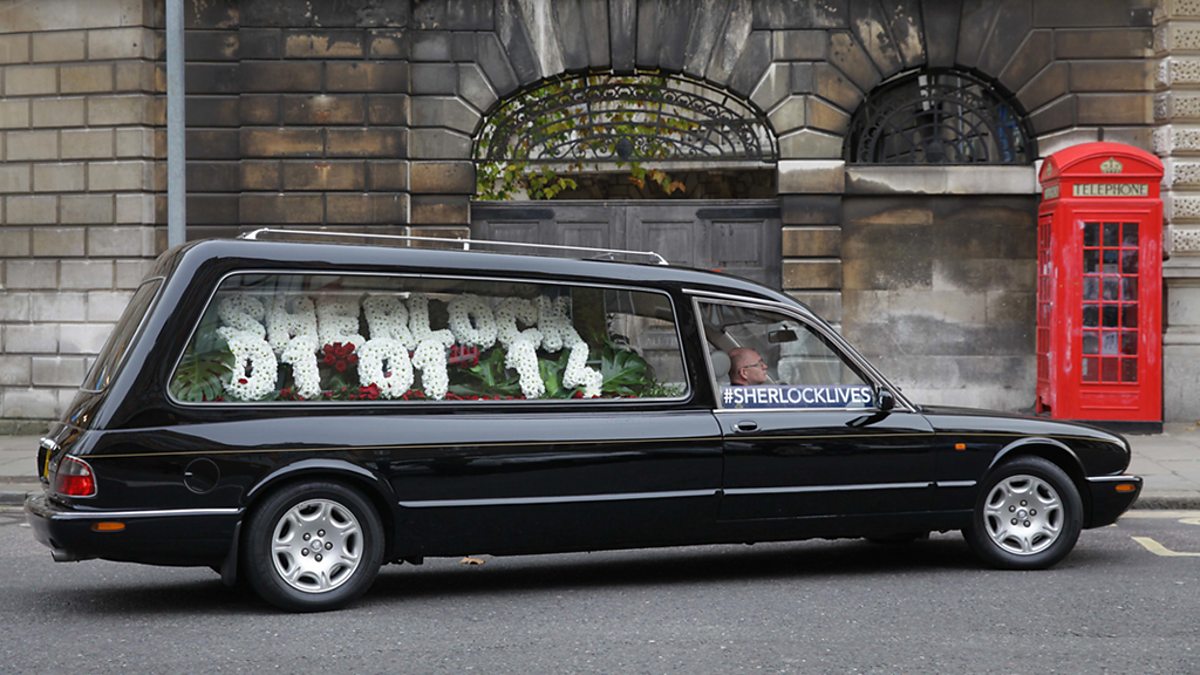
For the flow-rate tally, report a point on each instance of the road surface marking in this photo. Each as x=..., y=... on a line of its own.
x=1158, y=549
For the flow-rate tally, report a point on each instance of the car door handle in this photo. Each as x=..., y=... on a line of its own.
x=746, y=426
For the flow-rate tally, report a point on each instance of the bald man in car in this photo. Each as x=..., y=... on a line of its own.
x=746, y=367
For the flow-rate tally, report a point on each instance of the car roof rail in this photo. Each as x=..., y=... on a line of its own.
x=459, y=244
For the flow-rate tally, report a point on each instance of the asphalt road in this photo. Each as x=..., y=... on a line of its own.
x=1116, y=604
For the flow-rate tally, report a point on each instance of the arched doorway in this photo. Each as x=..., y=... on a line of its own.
x=643, y=161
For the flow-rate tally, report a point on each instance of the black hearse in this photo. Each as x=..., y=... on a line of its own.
x=297, y=414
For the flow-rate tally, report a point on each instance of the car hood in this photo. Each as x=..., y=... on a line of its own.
x=951, y=418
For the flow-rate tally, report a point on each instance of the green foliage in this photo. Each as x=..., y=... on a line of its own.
x=202, y=375
x=489, y=377
x=625, y=372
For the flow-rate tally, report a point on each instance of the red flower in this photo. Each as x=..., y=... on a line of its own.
x=242, y=380
x=340, y=366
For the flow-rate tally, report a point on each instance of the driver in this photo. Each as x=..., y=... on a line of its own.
x=746, y=367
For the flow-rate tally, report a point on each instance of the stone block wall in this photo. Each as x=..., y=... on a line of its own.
x=80, y=139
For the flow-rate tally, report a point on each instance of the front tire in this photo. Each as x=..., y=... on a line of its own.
x=313, y=547
x=1028, y=516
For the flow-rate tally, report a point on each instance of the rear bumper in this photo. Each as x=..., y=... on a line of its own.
x=162, y=537
x=1107, y=503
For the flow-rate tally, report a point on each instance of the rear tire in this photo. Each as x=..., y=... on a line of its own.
x=1028, y=515
x=313, y=546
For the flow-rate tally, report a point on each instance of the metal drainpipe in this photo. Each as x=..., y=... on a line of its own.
x=176, y=151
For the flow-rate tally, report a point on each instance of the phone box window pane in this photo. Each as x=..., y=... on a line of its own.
x=1091, y=234
x=1091, y=369
x=1129, y=234
x=1091, y=315
x=1108, y=370
x=1129, y=342
x=1129, y=316
x=1091, y=342
x=1091, y=288
x=1108, y=342
x=1129, y=370
x=1091, y=262
x=1111, y=234
x=1110, y=316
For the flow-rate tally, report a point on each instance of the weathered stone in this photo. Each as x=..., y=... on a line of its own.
x=282, y=76
x=281, y=208
x=812, y=274
x=387, y=175
x=30, y=210
x=831, y=84
x=213, y=78
x=429, y=111
x=851, y=59
x=30, y=403
x=281, y=142
x=940, y=180
x=649, y=20
x=130, y=273
x=677, y=17
x=383, y=76
x=442, y=177
x=343, y=14
x=366, y=142
x=781, y=14
x=440, y=209
x=799, y=45
x=121, y=43
x=388, y=109
x=35, y=80
x=324, y=109
x=1085, y=13
x=810, y=144
x=822, y=115
x=15, y=306
x=473, y=86
x=323, y=44
x=14, y=113
x=324, y=175
x=212, y=144
x=31, y=338
x=622, y=31
x=366, y=208
x=1112, y=76
x=1115, y=108
x=212, y=177
x=438, y=144
x=88, y=210
x=732, y=40
x=212, y=111
x=33, y=145
x=431, y=46
x=788, y=116
x=812, y=242
x=258, y=108
x=1013, y=22
x=518, y=45
x=59, y=177
x=260, y=175
x=940, y=33
x=753, y=62
x=87, y=143
x=870, y=26
x=568, y=21
x=973, y=30
x=773, y=87
x=212, y=45
x=1030, y=58
x=14, y=48
x=137, y=208
x=212, y=209
x=387, y=44
x=85, y=338
x=14, y=242
x=64, y=46
x=118, y=110
x=1057, y=115
x=495, y=64
x=15, y=177
x=811, y=176
x=31, y=274
x=106, y=305
x=453, y=15
x=434, y=78
x=1112, y=43
x=260, y=43
x=1046, y=86
x=15, y=370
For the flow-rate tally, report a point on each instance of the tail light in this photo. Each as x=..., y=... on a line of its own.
x=74, y=478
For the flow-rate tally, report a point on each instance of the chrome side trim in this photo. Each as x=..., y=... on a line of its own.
x=566, y=499
x=826, y=488
x=159, y=513
x=1113, y=479
x=955, y=483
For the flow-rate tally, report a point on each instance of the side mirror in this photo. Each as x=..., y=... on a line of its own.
x=885, y=400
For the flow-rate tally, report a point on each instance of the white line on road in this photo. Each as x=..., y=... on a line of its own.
x=1158, y=549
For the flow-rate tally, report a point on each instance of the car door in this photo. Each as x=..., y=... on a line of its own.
x=806, y=437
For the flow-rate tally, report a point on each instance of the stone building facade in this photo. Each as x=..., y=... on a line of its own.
x=365, y=114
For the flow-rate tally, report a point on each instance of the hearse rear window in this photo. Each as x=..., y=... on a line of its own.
x=310, y=338
x=109, y=360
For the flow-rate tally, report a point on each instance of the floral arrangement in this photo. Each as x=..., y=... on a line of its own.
x=492, y=349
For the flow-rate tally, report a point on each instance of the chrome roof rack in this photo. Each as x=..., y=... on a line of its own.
x=512, y=247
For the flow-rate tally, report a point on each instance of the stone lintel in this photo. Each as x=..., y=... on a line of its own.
x=815, y=176
x=941, y=180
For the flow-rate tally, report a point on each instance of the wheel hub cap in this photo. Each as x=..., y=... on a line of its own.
x=317, y=546
x=1023, y=515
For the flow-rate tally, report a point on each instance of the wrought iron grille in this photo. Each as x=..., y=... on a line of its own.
x=938, y=117
x=617, y=118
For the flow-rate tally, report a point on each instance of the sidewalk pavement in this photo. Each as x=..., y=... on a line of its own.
x=1170, y=463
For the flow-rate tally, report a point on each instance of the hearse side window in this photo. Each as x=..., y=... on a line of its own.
x=766, y=359
x=309, y=338
x=109, y=360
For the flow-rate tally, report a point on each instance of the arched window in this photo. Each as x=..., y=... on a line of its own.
x=938, y=117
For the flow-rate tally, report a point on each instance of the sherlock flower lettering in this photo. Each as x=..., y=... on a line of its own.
x=346, y=345
x=785, y=396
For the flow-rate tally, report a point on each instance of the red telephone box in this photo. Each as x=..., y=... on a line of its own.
x=1099, y=285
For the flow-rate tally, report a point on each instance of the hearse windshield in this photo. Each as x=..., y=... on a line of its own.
x=109, y=360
